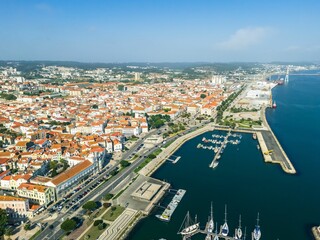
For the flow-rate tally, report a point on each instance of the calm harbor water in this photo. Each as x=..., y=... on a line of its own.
x=289, y=205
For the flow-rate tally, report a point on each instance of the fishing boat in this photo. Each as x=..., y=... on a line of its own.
x=238, y=231
x=188, y=227
x=225, y=227
x=257, y=232
x=274, y=105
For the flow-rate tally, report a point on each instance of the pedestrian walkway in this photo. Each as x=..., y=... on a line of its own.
x=118, y=227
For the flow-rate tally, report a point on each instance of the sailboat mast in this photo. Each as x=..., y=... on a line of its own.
x=225, y=213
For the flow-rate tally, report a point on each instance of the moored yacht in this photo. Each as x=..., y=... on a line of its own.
x=257, y=232
x=238, y=232
x=210, y=223
x=225, y=227
x=188, y=227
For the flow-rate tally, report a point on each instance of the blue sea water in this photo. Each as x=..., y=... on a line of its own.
x=289, y=205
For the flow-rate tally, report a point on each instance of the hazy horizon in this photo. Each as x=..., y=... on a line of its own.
x=160, y=31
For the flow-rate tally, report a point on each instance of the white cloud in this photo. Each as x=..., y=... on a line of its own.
x=245, y=37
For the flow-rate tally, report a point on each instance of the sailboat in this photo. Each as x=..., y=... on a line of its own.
x=225, y=227
x=216, y=236
x=238, y=231
x=257, y=232
x=274, y=105
x=210, y=223
x=187, y=226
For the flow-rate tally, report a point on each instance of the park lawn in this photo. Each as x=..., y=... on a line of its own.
x=168, y=144
x=94, y=232
x=244, y=125
x=142, y=165
x=112, y=215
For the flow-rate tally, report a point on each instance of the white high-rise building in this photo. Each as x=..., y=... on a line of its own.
x=218, y=79
x=137, y=76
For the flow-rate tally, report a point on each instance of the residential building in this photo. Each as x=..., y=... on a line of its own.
x=70, y=177
x=17, y=208
x=39, y=194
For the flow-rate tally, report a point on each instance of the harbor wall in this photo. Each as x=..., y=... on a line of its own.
x=290, y=169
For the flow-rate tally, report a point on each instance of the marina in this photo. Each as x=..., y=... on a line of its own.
x=220, y=143
x=167, y=213
x=189, y=228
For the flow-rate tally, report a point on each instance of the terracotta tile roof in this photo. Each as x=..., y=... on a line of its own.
x=5, y=154
x=32, y=187
x=71, y=172
x=34, y=207
x=11, y=198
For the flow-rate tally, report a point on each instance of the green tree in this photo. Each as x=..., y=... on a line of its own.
x=114, y=172
x=90, y=205
x=27, y=227
x=65, y=164
x=97, y=222
x=3, y=221
x=124, y=163
x=203, y=95
x=68, y=225
x=108, y=196
x=120, y=87
x=152, y=156
x=101, y=226
x=95, y=106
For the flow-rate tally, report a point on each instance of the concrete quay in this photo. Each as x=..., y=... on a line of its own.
x=272, y=143
x=316, y=232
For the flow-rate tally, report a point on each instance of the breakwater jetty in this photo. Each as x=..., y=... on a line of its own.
x=271, y=142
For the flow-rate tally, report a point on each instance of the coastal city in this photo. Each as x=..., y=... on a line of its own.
x=159, y=120
x=78, y=147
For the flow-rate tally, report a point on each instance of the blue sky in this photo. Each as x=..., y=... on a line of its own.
x=160, y=30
